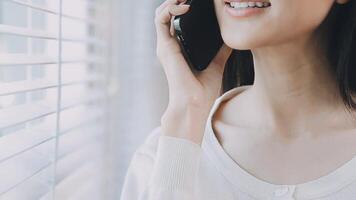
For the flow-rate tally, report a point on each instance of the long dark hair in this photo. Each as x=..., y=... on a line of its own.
x=339, y=29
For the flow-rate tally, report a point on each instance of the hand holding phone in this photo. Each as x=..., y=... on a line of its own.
x=191, y=95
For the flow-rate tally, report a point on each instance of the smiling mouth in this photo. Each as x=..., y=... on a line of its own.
x=247, y=4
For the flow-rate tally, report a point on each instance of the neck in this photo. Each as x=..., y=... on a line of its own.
x=293, y=82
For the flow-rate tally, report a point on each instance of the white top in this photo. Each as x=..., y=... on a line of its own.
x=170, y=168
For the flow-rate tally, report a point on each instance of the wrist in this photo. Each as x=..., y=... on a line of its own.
x=188, y=126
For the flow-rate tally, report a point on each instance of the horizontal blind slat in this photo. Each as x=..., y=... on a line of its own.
x=13, y=59
x=83, y=79
x=32, y=188
x=25, y=86
x=34, y=6
x=24, y=179
x=24, y=140
x=90, y=189
x=70, y=103
x=55, y=11
x=94, y=116
x=75, y=140
x=33, y=33
x=34, y=85
x=71, y=184
x=73, y=162
x=26, y=32
x=30, y=111
x=23, y=167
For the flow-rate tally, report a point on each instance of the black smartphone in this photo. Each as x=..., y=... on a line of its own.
x=198, y=33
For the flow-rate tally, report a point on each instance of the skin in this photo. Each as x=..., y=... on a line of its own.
x=293, y=109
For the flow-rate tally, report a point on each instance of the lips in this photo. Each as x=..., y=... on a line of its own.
x=228, y=1
x=247, y=3
x=246, y=8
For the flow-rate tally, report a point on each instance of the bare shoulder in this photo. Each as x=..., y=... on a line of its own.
x=232, y=116
x=235, y=111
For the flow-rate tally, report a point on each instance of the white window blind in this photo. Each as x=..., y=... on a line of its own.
x=54, y=70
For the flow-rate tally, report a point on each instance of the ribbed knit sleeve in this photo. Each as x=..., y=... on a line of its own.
x=163, y=168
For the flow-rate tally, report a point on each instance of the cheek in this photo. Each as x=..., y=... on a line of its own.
x=285, y=21
x=301, y=20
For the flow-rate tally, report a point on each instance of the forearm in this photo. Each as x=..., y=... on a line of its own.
x=186, y=123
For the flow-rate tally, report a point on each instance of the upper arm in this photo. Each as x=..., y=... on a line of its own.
x=163, y=167
x=140, y=168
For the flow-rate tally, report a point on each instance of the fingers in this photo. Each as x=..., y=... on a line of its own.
x=164, y=5
x=167, y=2
x=172, y=29
x=163, y=19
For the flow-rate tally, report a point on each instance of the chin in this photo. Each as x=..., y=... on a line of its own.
x=243, y=42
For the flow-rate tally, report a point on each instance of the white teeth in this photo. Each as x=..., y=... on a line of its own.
x=259, y=4
x=244, y=4
x=239, y=4
x=249, y=4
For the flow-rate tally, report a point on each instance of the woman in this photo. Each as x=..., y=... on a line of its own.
x=284, y=126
